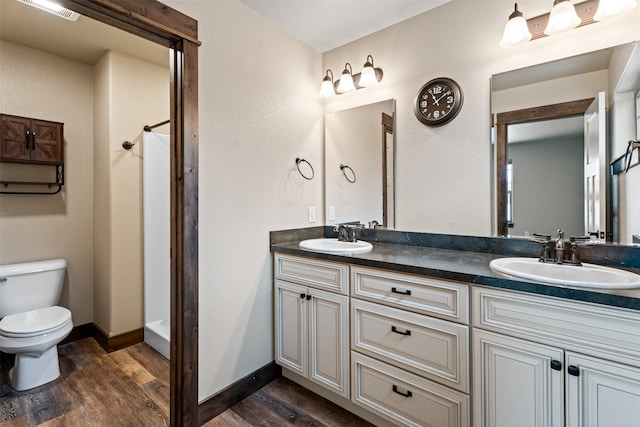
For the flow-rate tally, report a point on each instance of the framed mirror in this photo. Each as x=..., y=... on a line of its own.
x=359, y=165
x=548, y=136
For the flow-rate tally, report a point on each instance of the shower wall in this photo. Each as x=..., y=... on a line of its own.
x=157, y=247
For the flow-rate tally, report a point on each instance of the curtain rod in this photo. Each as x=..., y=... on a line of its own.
x=148, y=128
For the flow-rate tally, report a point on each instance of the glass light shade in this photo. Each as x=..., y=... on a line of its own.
x=346, y=81
x=326, y=89
x=612, y=8
x=563, y=17
x=515, y=32
x=367, y=77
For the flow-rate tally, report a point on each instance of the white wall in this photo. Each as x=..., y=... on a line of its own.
x=259, y=110
x=40, y=85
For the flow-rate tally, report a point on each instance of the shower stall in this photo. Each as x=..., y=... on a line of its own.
x=157, y=247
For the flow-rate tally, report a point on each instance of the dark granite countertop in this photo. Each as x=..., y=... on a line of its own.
x=465, y=266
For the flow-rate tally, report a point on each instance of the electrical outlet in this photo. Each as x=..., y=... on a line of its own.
x=332, y=213
x=312, y=214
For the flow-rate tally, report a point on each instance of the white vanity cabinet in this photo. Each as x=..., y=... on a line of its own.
x=312, y=320
x=543, y=361
x=410, y=347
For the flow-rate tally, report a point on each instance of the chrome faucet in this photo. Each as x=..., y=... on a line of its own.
x=558, y=256
x=343, y=233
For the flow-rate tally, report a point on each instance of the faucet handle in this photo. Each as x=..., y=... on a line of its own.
x=544, y=240
x=540, y=238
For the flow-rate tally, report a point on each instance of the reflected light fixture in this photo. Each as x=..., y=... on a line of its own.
x=53, y=8
x=516, y=31
x=350, y=82
x=611, y=8
x=564, y=16
x=346, y=80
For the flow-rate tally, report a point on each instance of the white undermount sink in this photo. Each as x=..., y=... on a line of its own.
x=586, y=275
x=336, y=246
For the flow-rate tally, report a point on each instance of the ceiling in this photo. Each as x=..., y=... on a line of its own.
x=84, y=40
x=327, y=24
x=316, y=23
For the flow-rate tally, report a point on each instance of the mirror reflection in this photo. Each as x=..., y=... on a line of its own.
x=557, y=128
x=359, y=165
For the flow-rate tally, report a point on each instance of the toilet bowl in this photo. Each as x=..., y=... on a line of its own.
x=33, y=337
x=31, y=326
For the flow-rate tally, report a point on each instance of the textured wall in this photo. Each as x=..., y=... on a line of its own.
x=259, y=110
x=40, y=85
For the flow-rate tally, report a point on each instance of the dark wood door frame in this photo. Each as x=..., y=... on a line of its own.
x=527, y=115
x=155, y=21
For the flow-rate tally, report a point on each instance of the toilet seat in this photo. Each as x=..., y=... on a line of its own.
x=35, y=322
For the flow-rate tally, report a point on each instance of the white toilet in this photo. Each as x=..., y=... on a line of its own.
x=31, y=324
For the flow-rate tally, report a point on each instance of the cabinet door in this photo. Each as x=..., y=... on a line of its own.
x=15, y=136
x=329, y=340
x=601, y=393
x=47, y=142
x=515, y=384
x=291, y=326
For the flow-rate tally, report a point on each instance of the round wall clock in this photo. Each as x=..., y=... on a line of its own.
x=438, y=102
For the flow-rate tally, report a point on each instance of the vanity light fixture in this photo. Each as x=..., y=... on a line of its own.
x=368, y=74
x=564, y=16
x=346, y=80
x=350, y=82
x=516, y=31
x=53, y=8
x=327, y=88
x=611, y=8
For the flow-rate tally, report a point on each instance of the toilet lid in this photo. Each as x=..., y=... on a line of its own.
x=35, y=322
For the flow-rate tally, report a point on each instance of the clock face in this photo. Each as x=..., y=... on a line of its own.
x=438, y=102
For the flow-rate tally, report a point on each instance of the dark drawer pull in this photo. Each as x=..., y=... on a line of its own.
x=302, y=296
x=27, y=138
x=556, y=365
x=407, y=394
x=406, y=332
x=396, y=291
x=573, y=370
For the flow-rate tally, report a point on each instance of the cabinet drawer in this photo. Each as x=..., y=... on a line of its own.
x=607, y=332
x=442, y=298
x=405, y=398
x=433, y=348
x=312, y=272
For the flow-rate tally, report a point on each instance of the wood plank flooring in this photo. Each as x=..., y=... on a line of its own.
x=130, y=387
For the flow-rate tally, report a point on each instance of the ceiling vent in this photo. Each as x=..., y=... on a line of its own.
x=51, y=7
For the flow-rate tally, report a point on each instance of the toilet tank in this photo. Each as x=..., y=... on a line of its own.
x=30, y=285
